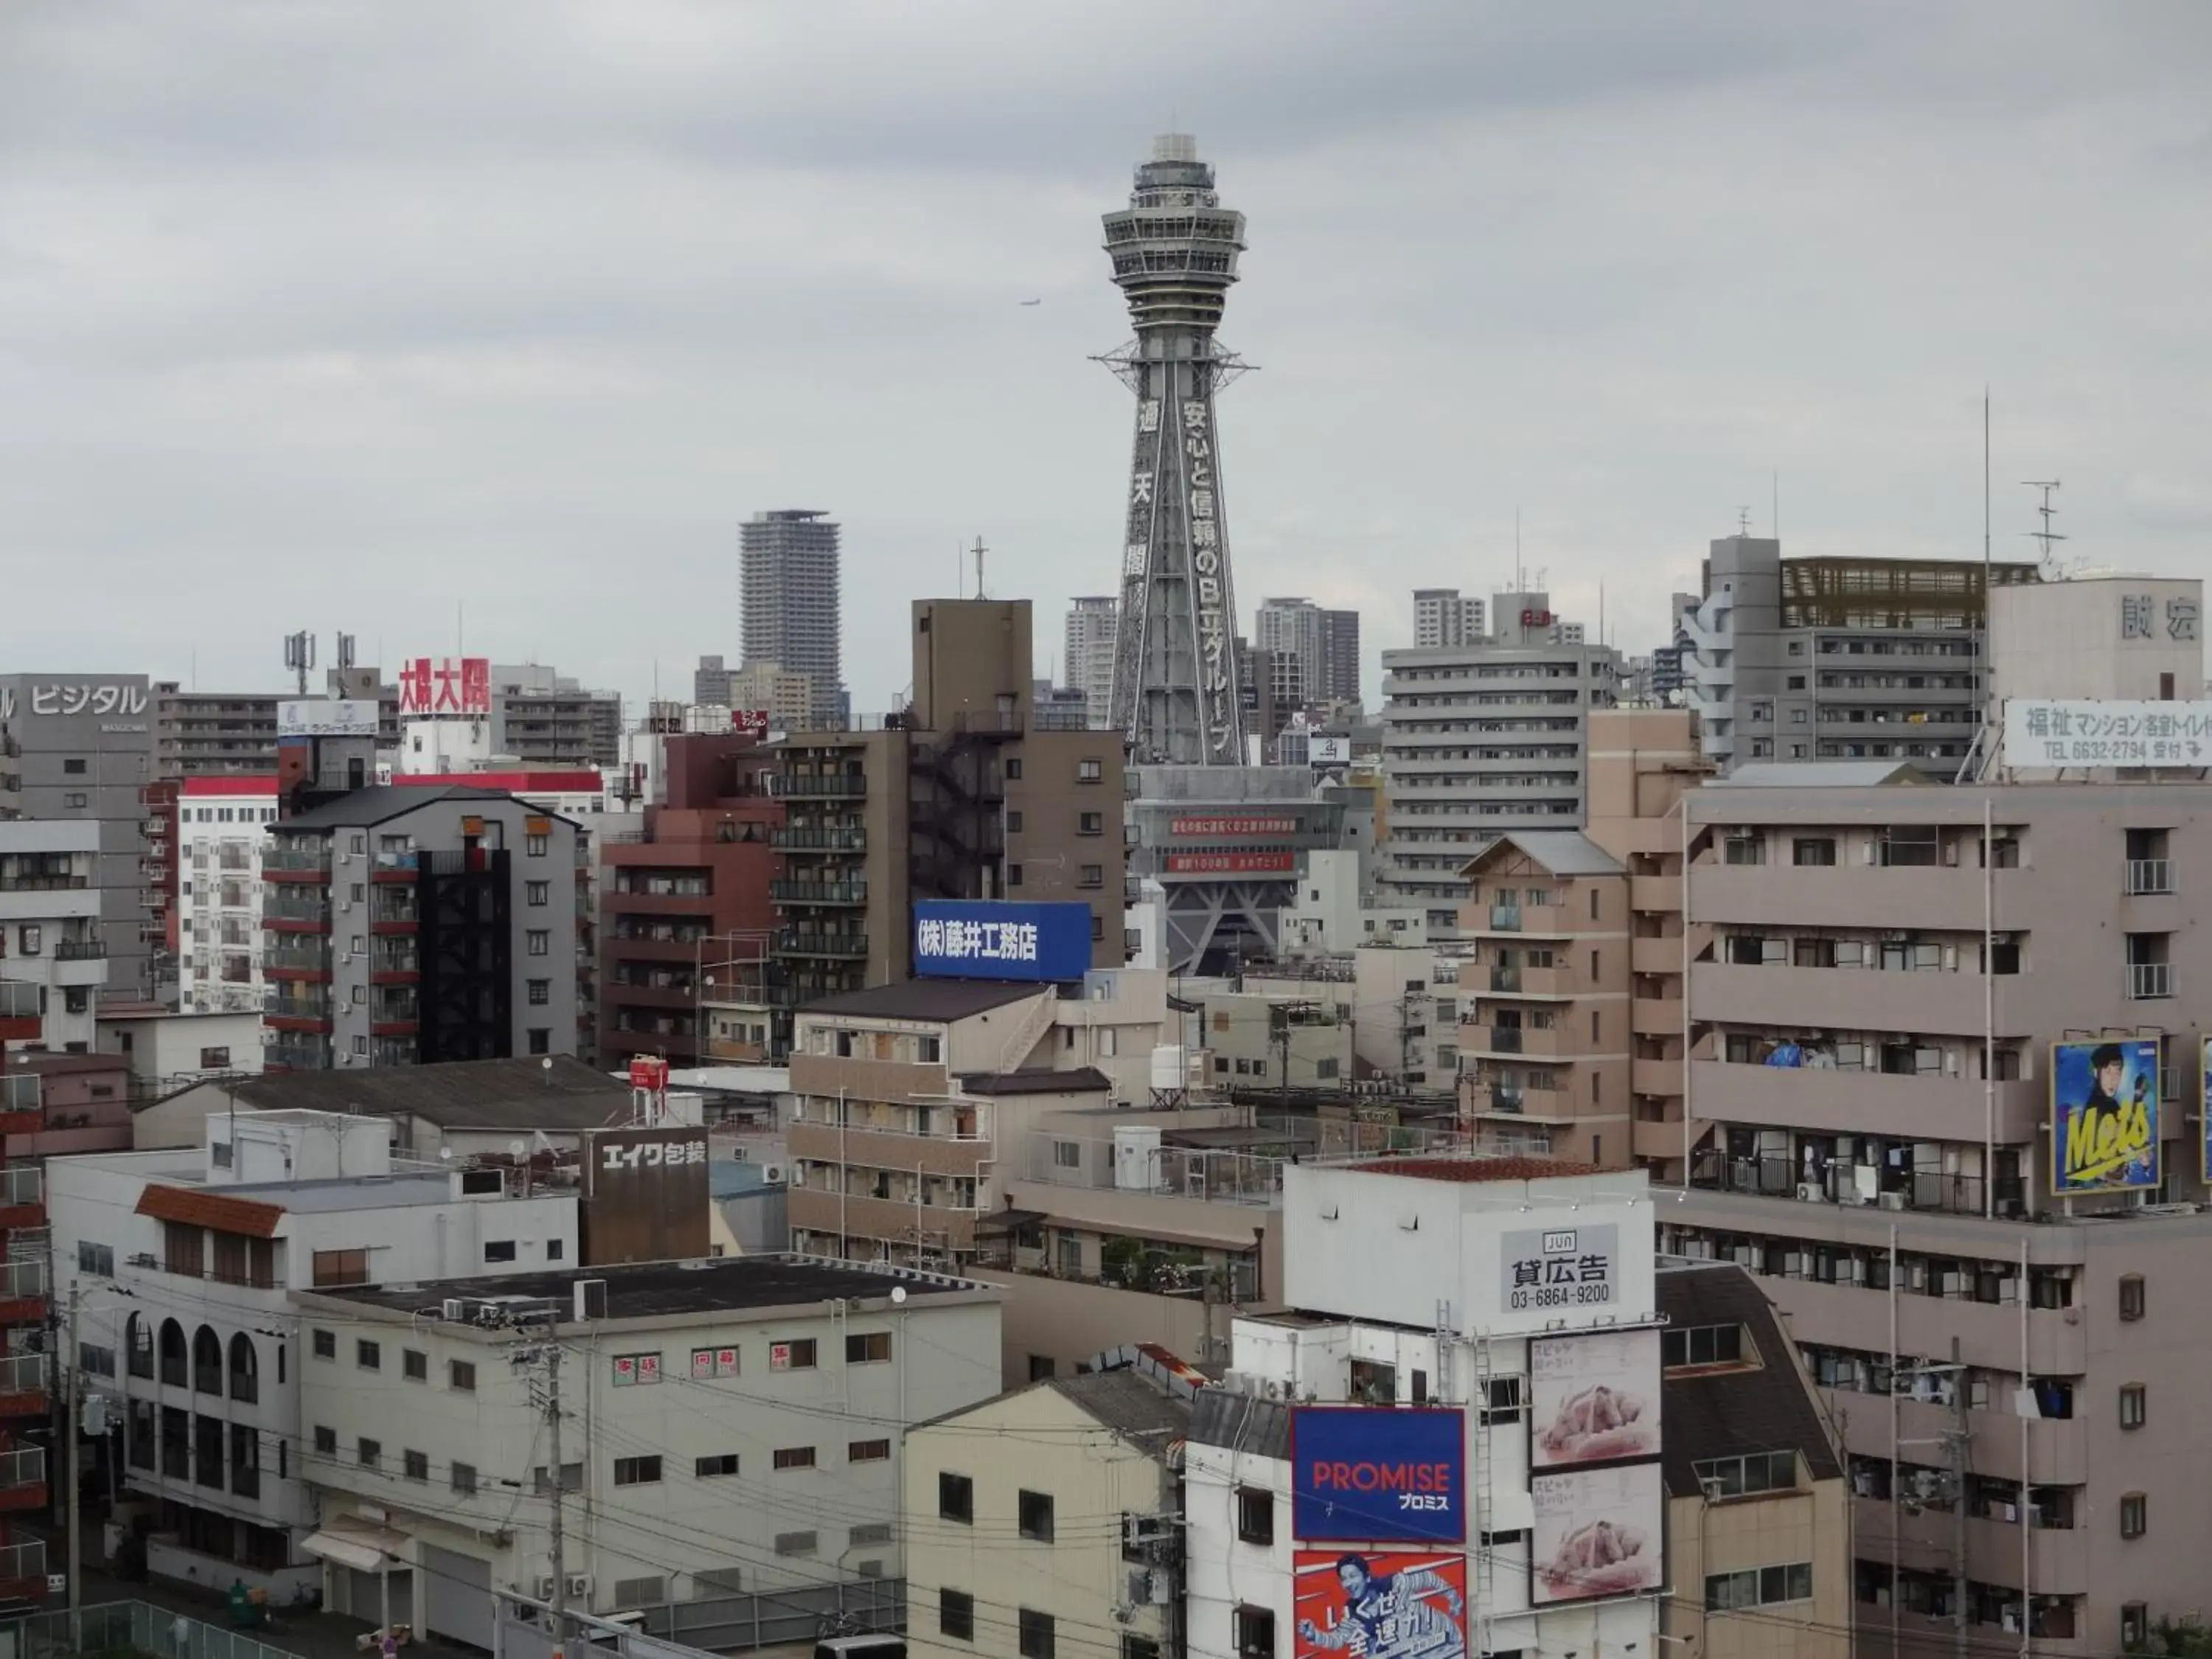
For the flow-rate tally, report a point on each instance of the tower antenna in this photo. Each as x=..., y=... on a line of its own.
x=979, y=551
x=2045, y=536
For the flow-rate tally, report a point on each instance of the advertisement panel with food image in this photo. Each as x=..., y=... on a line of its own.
x=1598, y=1532
x=1380, y=1604
x=1593, y=1398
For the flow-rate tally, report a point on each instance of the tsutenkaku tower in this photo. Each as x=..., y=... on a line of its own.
x=1175, y=251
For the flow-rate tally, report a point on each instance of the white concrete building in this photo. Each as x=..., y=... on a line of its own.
x=50, y=938
x=1093, y=624
x=1442, y=618
x=1408, y=1004
x=736, y=1426
x=222, y=832
x=167, y=1049
x=184, y=1259
x=1500, y=1290
x=1332, y=911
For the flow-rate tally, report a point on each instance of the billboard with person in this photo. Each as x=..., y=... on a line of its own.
x=1379, y=1604
x=2103, y=1115
x=1598, y=1532
x=1593, y=1398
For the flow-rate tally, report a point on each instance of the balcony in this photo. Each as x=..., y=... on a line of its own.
x=23, y=1385
x=310, y=959
x=1505, y=918
x=22, y=1293
x=818, y=892
x=1904, y=1106
x=79, y=949
x=818, y=840
x=22, y=1011
x=1530, y=981
x=802, y=785
x=296, y=863
x=1944, y=898
x=2148, y=876
x=393, y=1015
x=288, y=1013
x=296, y=912
x=20, y=1112
x=394, y=907
x=1854, y=1317
x=394, y=967
x=298, y=1055
x=888, y=1149
x=22, y=1196
x=790, y=942
x=2149, y=982
x=1928, y=1002
x=23, y=1477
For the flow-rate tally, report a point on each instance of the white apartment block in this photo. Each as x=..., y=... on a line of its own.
x=1442, y=618
x=222, y=829
x=52, y=959
x=1094, y=623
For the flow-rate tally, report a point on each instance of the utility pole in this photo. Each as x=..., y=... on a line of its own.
x=559, y=1486
x=1959, y=1500
x=69, y=1407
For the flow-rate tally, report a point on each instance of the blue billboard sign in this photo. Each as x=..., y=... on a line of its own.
x=1366, y=1474
x=988, y=939
x=2105, y=1115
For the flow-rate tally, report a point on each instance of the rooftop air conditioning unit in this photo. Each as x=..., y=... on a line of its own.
x=580, y=1584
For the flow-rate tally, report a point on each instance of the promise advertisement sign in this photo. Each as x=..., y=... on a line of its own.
x=2103, y=1115
x=1371, y=1474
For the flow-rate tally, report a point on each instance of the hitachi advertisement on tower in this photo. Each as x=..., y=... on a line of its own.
x=2103, y=1115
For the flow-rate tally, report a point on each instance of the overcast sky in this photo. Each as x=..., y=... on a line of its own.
x=323, y=314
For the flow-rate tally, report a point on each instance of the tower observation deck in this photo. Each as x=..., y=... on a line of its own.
x=1175, y=250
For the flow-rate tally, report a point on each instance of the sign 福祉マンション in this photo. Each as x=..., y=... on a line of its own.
x=2041, y=733
x=987, y=939
x=1371, y=1474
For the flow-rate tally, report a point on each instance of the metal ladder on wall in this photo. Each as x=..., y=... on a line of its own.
x=1481, y=1591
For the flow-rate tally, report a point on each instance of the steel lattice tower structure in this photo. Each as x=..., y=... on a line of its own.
x=1175, y=251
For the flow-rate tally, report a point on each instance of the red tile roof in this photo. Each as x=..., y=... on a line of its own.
x=1478, y=1168
x=196, y=1208
x=246, y=783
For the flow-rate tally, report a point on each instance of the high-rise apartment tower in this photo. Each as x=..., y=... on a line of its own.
x=790, y=589
x=1091, y=623
x=1175, y=250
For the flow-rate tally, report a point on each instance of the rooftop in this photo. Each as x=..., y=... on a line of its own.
x=1562, y=852
x=1478, y=1168
x=466, y=1094
x=1081, y=1079
x=926, y=998
x=1724, y=1412
x=1224, y=1417
x=381, y=802
x=664, y=1289
x=1812, y=774
x=52, y=1065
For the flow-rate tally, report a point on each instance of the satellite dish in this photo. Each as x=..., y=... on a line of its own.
x=445, y=1154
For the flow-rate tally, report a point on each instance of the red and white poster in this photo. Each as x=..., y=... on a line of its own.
x=445, y=685
x=1227, y=828
x=1231, y=864
x=753, y=722
x=1380, y=1604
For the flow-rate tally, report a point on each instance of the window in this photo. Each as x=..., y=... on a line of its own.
x=368, y=1453
x=868, y=1451
x=499, y=1250
x=1759, y=1587
x=415, y=1364
x=540, y=942
x=1094, y=875
x=956, y=1498
x=645, y=1471
x=794, y=1457
x=370, y=1356
x=710, y=1469
x=75, y=797
x=1090, y=823
x=1042, y=1366
x=2131, y=1296
x=2134, y=1406
x=956, y=1614
x=2134, y=1515
x=1036, y=1634
x=93, y=1258
x=1139, y=1647
x=797, y=1543
x=464, y=1480
x=533, y=846
x=326, y=1441
x=867, y=1349
x=537, y=892
x=1034, y=1512
x=1013, y=875
x=541, y=991
x=572, y=1479
x=1014, y=769
x=95, y=1359
x=73, y=768
x=541, y=1039
x=1813, y=850
x=1090, y=771
x=334, y=1267
x=1255, y=1632
x=1255, y=1516
x=645, y=1592
x=872, y=1532
x=1742, y=1477
x=2135, y=1625
x=1703, y=1344
x=791, y=1356
x=215, y=1060
x=461, y=1374
x=414, y=1465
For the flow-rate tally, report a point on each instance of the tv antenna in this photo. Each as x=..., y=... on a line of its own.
x=1743, y=521
x=979, y=549
x=299, y=656
x=2046, y=536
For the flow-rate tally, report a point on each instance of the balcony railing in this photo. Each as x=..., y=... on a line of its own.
x=280, y=1007
x=299, y=1056
x=395, y=904
x=18, y=1093
x=278, y=905
x=2148, y=981
x=798, y=785
x=23, y=1373
x=1504, y=979
x=1930, y=1192
x=24, y=1467
x=395, y=962
x=1506, y=1039
x=387, y=1009
x=1216, y=1177
x=2150, y=876
x=21, y=1184
x=1505, y=918
x=45, y=883
x=792, y=942
x=1507, y=1097
x=819, y=892
x=818, y=840
x=312, y=956
x=79, y=949
x=19, y=999
x=305, y=860
x=22, y=1279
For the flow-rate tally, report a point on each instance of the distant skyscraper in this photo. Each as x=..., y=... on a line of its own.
x=1091, y=623
x=1175, y=250
x=1441, y=618
x=1340, y=657
x=1292, y=627
x=710, y=682
x=790, y=591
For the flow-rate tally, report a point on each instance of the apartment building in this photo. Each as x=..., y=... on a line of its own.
x=1481, y=738
x=53, y=955
x=792, y=601
x=702, y=869
x=26, y=1318
x=1006, y=1554
x=541, y=719
x=958, y=796
x=747, y=1420
x=1408, y=1002
x=1905, y=1005
x=1094, y=623
x=183, y=1260
x=1758, y=1509
x=1441, y=618
x=785, y=695
x=222, y=828
x=1836, y=658
x=404, y=926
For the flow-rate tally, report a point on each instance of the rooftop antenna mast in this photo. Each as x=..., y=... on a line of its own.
x=979, y=550
x=299, y=656
x=1743, y=521
x=2046, y=536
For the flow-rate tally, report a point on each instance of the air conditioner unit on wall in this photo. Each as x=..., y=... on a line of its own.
x=544, y=1588
x=580, y=1584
